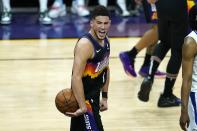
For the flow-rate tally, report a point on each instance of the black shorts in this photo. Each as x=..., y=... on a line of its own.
x=90, y=121
x=150, y=15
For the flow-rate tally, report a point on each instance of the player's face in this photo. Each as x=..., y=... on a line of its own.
x=100, y=26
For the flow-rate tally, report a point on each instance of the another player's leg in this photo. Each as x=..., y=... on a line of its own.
x=168, y=99
x=159, y=53
x=146, y=64
x=128, y=57
x=177, y=34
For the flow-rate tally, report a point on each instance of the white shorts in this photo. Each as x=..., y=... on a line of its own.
x=192, y=111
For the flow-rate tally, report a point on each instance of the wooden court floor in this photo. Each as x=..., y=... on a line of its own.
x=33, y=71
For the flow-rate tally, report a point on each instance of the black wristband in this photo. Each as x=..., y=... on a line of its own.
x=104, y=95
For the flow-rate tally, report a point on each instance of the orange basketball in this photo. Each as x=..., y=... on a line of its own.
x=65, y=101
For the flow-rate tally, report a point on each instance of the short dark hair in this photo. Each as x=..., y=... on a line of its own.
x=193, y=17
x=100, y=11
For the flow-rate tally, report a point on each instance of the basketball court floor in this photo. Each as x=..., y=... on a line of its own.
x=36, y=63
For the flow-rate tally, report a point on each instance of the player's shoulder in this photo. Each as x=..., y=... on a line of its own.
x=84, y=45
x=190, y=39
x=84, y=41
x=190, y=45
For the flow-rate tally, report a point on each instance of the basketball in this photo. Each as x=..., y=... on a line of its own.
x=65, y=101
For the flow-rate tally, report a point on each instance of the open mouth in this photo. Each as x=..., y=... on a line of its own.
x=102, y=33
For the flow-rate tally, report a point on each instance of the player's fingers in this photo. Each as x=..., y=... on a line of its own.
x=103, y=108
x=69, y=114
x=188, y=123
x=182, y=125
x=79, y=112
x=66, y=114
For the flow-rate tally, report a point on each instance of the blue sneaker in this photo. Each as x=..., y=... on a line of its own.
x=144, y=72
x=127, y=64
x=160, y=74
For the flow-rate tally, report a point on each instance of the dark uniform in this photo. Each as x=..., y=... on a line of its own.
x=172, y=27
x=94, y=78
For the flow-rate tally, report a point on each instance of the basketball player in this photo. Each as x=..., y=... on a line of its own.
x=90, y=75
x=189, y=73
x=149, y=40
x=172, y=27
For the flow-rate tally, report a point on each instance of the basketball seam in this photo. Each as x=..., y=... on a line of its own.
x=64, y=97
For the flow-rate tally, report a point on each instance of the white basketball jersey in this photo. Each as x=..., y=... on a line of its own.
x=193, y=35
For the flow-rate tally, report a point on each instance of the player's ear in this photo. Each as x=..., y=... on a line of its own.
x=91, y=23
x=109, y=22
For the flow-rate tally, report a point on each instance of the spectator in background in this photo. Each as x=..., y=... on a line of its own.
x=123, y=7
x=7, y=16
x=120, y=3
x=135, y=7
x=59, y=8
x=103, y=2
x=78, y=7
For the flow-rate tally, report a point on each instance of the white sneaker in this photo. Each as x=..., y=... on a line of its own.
x=80, y=10
x=103, y=2
x=57, y=10
x=44, y=18
x=6, y=18
x=125, y=13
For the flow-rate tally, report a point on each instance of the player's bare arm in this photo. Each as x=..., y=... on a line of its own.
x=189, y=51
x=83, y=51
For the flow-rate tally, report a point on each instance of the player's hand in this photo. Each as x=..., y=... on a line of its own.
x=76, y=113
x=103, y=104
x=184, y=120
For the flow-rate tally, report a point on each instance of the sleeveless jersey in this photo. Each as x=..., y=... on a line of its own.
x=95, y=73
x=193, y=35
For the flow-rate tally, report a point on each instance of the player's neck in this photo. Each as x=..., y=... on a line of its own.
x=101, y=42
